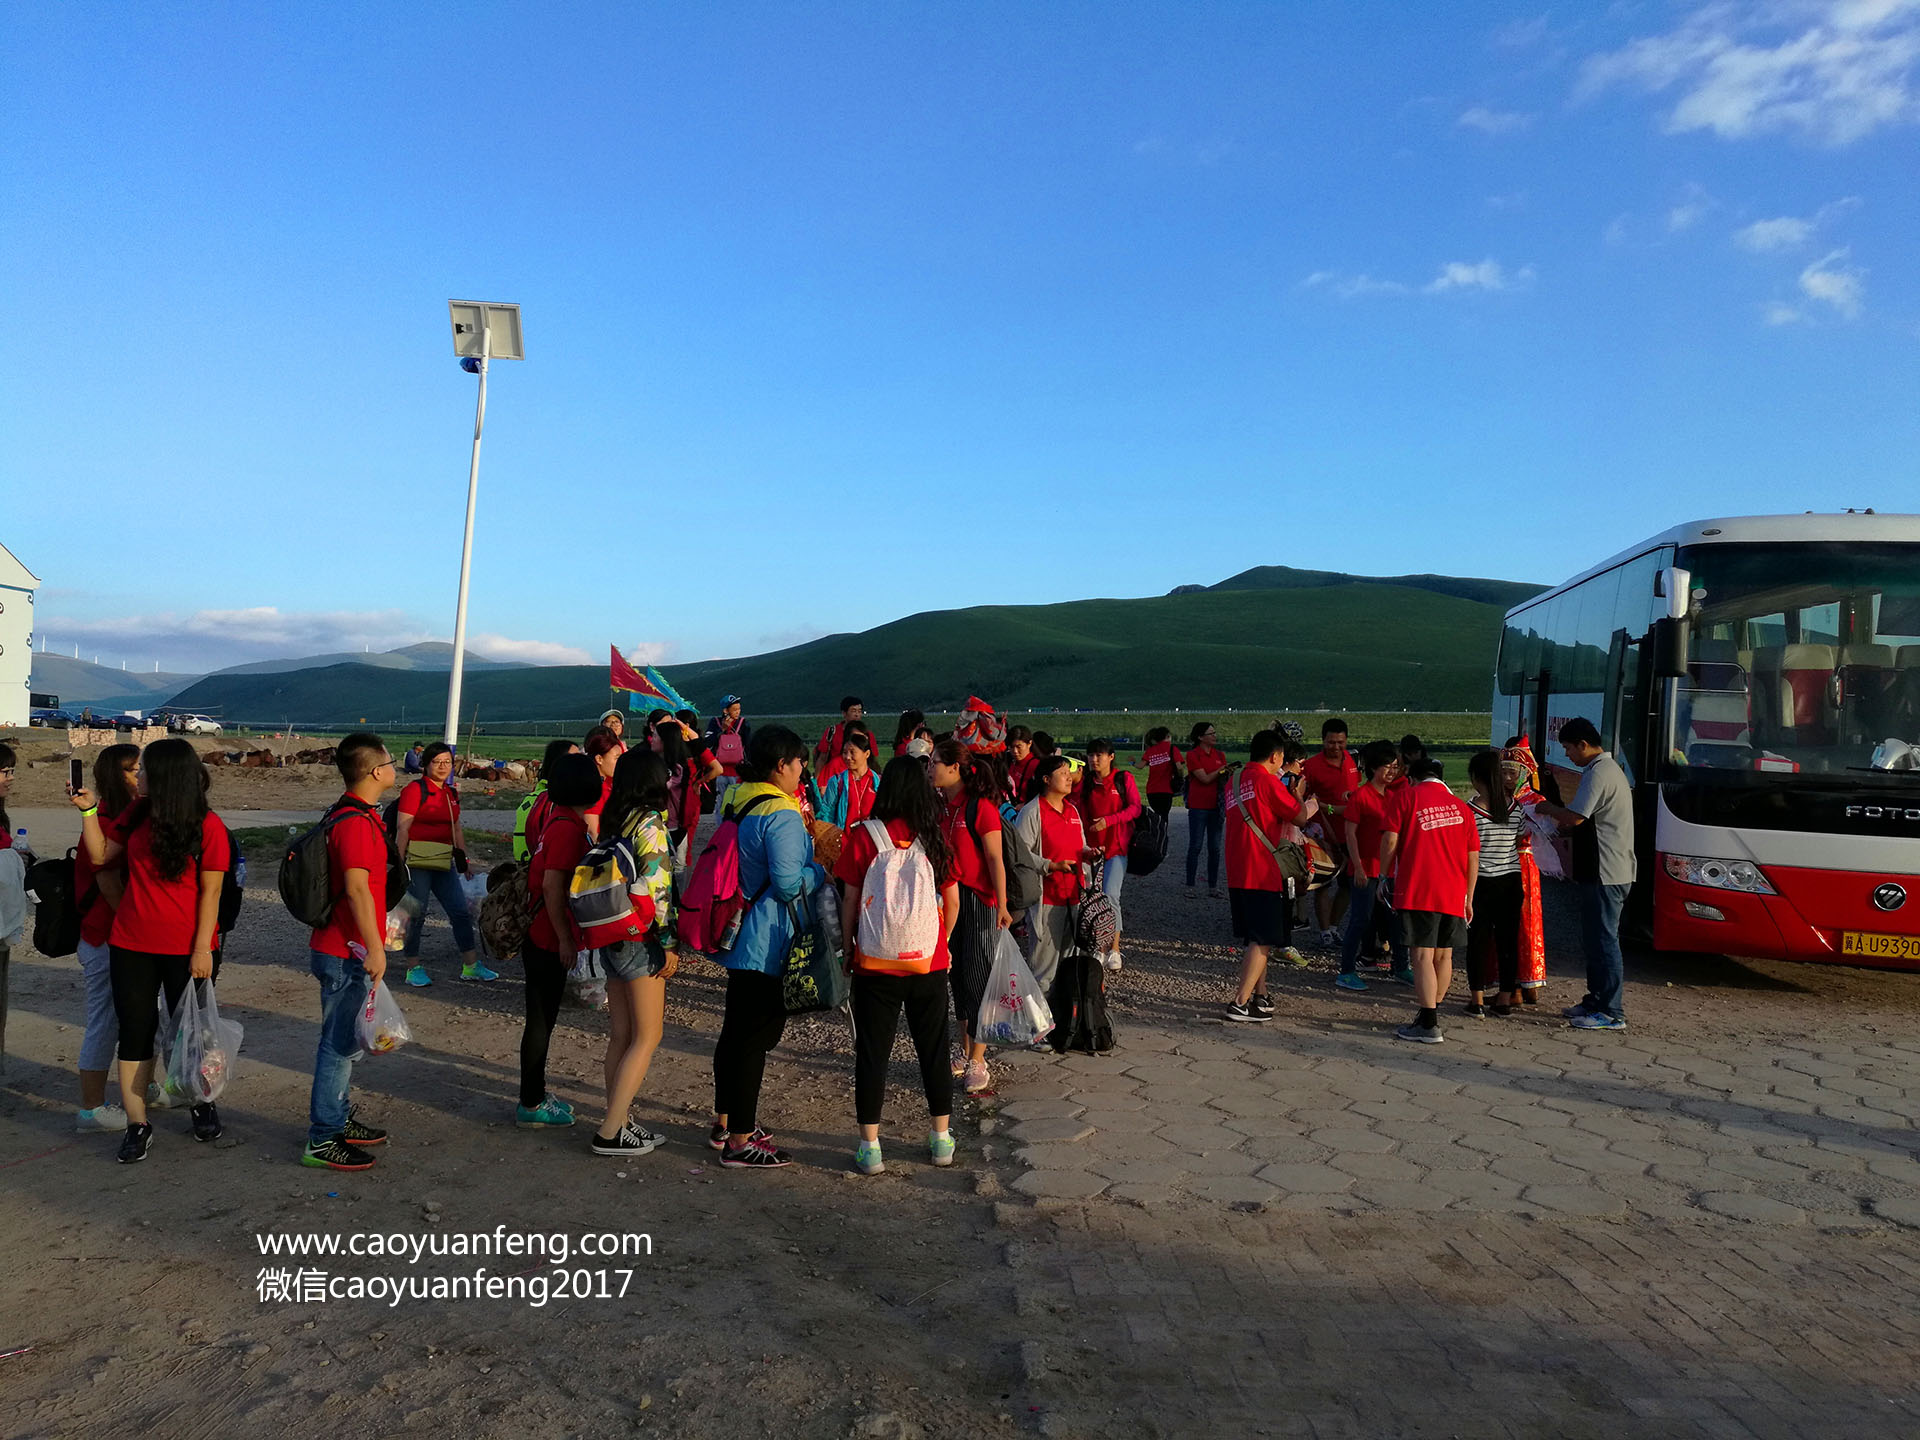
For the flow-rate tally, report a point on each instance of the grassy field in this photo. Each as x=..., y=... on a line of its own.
x=1322, y=640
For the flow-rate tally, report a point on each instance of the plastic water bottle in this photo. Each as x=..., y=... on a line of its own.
x=20, y=838
x=240, y=871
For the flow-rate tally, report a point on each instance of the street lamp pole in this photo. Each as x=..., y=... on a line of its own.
x=457, y=674
x=482, y=332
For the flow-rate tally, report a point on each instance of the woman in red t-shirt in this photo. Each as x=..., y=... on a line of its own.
x=971, y=820
x=1109, y=803
x=166, y=928
x=428, y=834
x=908, y=811
x=97, y=893
x=1021, y=762
x=553, y=941
x=1163, y=760
x=1053, y=829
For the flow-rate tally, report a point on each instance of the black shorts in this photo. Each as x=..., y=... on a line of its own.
x=1260, y=917
x=1431, y=930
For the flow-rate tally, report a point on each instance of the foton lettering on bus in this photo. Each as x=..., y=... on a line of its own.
x=1884, y=814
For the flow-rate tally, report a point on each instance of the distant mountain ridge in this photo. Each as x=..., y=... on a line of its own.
x=103, y=687
x=426, y=655
x=1268, y=638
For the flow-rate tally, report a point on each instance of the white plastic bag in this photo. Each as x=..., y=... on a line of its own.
x=587, y=981
x=475, y=888
x=382, y=1028
x=204, y=1047
x=1012, y=1012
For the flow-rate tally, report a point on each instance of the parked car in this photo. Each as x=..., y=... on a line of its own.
x=195, y=725
x=52, y=719
x=124, y=722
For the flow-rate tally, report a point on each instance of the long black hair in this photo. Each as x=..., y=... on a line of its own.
x=772, y=747
x=906, y=794
x=910, y=721
x=976, y=779
x=112, y=790
x=639, y=786
x=1486, y=771
x=673, y=743
x=175, y=806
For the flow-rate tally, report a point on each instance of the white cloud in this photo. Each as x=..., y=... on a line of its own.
x=1352, y=287
x=1618, y=230
x=1519, y=34
x=1452, y=276
x=1493, y=122
x=1486, y=275
x=1788, y=232
x=1833, y=71
x=1777, y=312
x=1832, y=283
x=1692, y=208
x=1513, y=200
x=648, y=652
x=211, y=639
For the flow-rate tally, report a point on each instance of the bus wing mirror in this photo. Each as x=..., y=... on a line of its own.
x=1674, y=585
x=1670, y=646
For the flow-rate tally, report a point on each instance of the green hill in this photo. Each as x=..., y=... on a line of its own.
x=1504, y=593
x=81, y=682
x=1360, y=644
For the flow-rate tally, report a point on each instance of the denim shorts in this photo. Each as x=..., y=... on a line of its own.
x=634, y=959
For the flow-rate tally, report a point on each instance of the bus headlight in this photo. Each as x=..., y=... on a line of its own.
x=1741, y=875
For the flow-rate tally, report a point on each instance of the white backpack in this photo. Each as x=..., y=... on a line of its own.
x=899, y=907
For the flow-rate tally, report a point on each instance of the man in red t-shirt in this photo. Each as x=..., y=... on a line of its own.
x=348, y=954
x=1259, y=899
x=1330, y=776
x=826, y=754
x=1433, y=851
x=1206, y=765
x=1370, y=812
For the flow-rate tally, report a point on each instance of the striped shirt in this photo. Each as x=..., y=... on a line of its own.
x=1499, y=842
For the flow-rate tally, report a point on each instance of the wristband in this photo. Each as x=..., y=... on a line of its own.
x=89, y=812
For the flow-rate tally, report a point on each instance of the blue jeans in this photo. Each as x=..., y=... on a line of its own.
x=1113, y=876
x=1213, y=825
x=343, y=995
x=1600, y=907
x=1362, y=900
x=444, y=886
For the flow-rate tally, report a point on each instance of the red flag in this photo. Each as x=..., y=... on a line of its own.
x=622, y=676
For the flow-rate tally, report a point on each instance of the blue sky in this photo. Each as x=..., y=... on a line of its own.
x=834, y=314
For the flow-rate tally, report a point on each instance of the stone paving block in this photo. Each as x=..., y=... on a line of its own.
x=1441, y=1155
x=1217, y=1162
x=1137, y=1172
x=1743, y=1205
x=1396, y=1105
x=1530, y=1116
x=1334, y=1117
x=1200, y=1139
x=1757, y=1167
x=1573, y=1200
x=1117, y=1082
x=1658, y=1152
x=1233, y=1190
x=1126, y=1122
x=1147, y=1197
x=1225, y=1072
x=1110, y=1098
x=1036, y=1132
x=1305, y=1179
x=1378, y=1167
x=1244, y=1103
x=1024, y=1109
x=1195, y=1097
x=1128, y=1144
x=1285, y=1149
x=1409, y=1131
x=1470, y=1188
x=1503, y=1141
x=1052, y=1156
x=1060, y=1184
x=1163, y=1113
x=1320, y=1200
x=1696, y=1178
x=1344, y=1141
x=1208, y=1048
x=1401, y=1195
x=1536, y=1170
x=1900, y=1209
x=1416, y=1083
x=1273, y=1123
x=1595, y=1158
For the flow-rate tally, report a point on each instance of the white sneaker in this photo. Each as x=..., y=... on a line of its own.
x=109, y=1118
x=1111, y=960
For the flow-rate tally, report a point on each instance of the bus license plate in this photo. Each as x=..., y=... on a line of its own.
x=1880, y=947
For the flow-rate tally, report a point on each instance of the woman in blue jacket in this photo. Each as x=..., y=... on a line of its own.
x=779, y=875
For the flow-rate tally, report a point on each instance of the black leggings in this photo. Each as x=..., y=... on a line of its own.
x=1493, y=943
x=755, y=1019
x=137, y=977
x=546, y=983
x=877, y=1002
x=1161, y=805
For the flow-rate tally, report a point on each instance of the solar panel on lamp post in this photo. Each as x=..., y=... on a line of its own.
x=482, y=331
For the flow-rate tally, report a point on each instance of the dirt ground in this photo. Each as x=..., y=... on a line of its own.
x=812, y=1302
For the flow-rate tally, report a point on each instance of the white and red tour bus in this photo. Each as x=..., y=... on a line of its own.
x=1759, y=678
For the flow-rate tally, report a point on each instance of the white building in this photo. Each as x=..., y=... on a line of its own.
x=17, y=584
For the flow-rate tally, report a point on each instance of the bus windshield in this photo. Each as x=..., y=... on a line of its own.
x=1805, y=662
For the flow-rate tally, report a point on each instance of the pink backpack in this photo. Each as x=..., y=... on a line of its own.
x=711, y=905
x=728, y=748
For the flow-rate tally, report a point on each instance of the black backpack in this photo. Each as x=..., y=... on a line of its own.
x=56, y=914
x=1148, y=847
x=306, y=876
x=1079, y=1003
x=390, y=817
x=233, y=885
